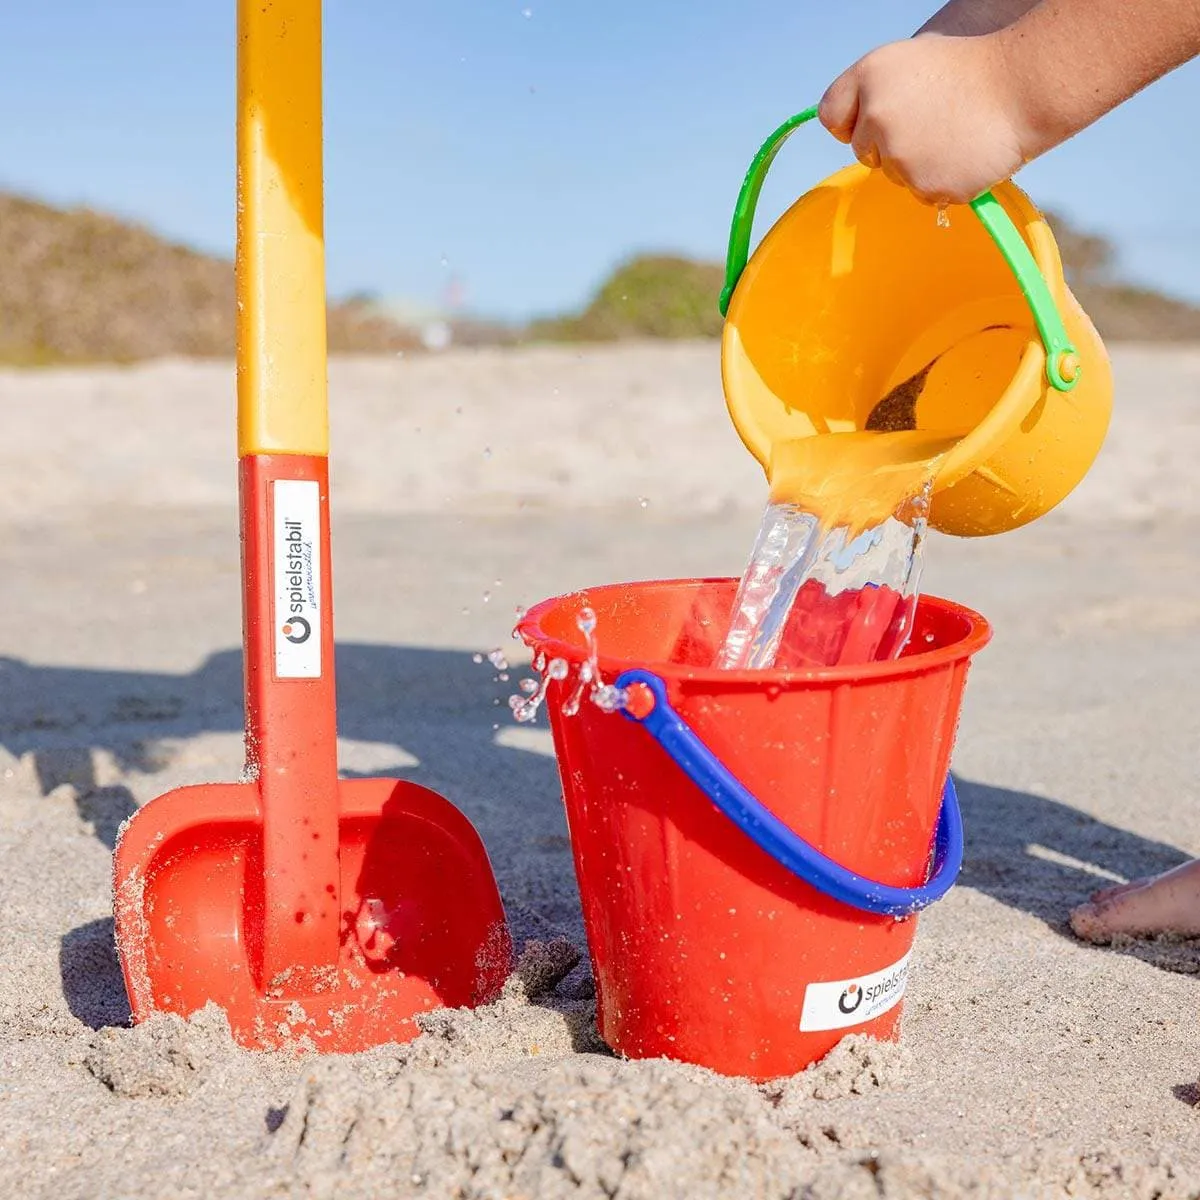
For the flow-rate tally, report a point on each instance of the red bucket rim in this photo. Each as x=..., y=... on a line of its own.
x=529, y=629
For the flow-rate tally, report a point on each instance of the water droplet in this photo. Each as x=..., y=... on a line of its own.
x=586, y=621
x=521, y=610
x=487, y=596
x=445, y=261
x=502, y=677
x=497, y=659
x=527, y=13
x=477, y=659
x=528, y=686
x=943, y=217
x=558, y=668
x=539, y=663
x=487, y=452
x=644, y=501
x=466, y=612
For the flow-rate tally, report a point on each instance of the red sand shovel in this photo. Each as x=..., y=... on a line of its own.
x=316, y=912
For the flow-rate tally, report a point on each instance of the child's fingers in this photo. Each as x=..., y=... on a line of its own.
x=868, y=155
x=865, y=144
x=838, y=110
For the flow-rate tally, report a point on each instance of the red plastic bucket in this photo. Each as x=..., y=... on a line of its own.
x=753, y=846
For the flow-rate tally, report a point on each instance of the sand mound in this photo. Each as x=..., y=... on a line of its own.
x=165, y=1056
x=856, y=1066
x=521, y=1098
x=585, y=1127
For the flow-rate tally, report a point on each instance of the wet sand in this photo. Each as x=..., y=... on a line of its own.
x=1031, y=1065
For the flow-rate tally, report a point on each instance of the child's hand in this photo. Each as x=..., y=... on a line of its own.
x=949, y=116
x=939, y=115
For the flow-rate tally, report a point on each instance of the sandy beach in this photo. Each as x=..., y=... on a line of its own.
x=463, y=486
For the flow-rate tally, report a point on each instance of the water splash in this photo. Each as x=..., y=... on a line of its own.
x=585, y=679
x=589, y=684
x=525, y=707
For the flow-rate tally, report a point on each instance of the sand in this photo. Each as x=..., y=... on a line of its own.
x=1030, y=1066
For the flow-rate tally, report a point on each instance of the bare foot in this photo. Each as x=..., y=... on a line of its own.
x=1168, y=903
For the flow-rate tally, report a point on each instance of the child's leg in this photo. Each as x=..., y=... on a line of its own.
x=1168, y=903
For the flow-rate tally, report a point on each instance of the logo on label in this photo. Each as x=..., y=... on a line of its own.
x=850, y=999
x=297, y=631
x=297, y=532
x=845, y=1002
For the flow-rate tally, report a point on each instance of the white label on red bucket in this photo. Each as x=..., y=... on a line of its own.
x=297, y=531
x=849, y=1002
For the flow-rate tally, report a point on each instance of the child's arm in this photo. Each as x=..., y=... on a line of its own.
x=948, y=116
x=971, y=18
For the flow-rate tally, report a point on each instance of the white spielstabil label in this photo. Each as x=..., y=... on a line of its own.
x=849, y=1002
x=297, y=535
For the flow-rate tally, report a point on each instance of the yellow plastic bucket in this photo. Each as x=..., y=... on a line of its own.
x=862, y=310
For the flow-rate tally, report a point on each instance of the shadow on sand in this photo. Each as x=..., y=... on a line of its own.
x=1029, y=852
x=432, y=705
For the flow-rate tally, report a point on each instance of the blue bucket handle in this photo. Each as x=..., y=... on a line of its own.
x=769, y=833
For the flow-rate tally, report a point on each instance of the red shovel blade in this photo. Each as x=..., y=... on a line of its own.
x=421, y=923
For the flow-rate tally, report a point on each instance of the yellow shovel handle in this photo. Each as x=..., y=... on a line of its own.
x=282, y=387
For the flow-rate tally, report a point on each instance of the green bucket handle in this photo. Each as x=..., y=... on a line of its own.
x=1060, y=352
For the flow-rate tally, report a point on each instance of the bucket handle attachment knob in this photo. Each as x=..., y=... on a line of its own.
x=770, y=834
x=1062, y=360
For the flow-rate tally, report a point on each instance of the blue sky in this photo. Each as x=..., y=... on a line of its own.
x=523, y=146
